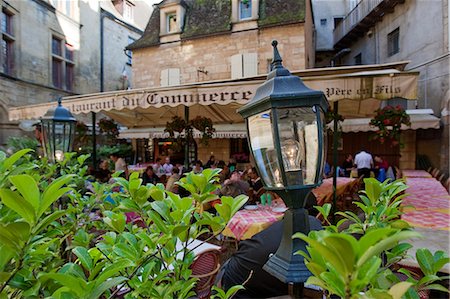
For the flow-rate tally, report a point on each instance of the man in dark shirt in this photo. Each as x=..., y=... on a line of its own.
x=251, y=256
x=255, y=184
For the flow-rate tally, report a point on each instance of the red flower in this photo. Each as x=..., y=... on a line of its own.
x=381, y=140
x=386, y=122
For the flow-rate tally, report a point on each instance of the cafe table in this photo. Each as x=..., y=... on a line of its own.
x=252, y=220
x=324, y=192
x=137, y=168
x=412, y=173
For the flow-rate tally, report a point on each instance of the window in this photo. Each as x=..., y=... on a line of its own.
x=172, y=23
x=393, y=42
x=170, y=77
x=64, y=6
x=323, y=22
x=7, y=47
x=62, y=64
x=128, y=52
x=358, y=59
x=337, y=21
x=128, y=10
x=244, y=65
x=245, y=9
x=171, y=20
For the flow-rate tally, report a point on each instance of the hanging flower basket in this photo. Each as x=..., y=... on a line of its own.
x=389, y=121
x=185, y=129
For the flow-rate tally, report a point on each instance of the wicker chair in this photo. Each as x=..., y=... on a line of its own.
x=205, y=268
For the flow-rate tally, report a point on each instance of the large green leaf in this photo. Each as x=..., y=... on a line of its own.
x=399, y=289
x=84, y=257
x=44, y=223
x=28, y=188
x=75, y=284
x=113, y=270
x=386, y=244
x=14, y=235
x=100, y=289
x=18, y=204
x=53, y=192
x=9, y=162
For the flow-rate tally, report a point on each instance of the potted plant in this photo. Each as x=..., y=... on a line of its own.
x=389, y=121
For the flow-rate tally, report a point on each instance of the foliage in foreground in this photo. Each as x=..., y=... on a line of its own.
x=62, y=237
x=358, y=261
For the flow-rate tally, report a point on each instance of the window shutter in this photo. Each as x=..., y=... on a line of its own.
x=236, y=66
x=174, y=77
x=165, y=78
x=250, y=64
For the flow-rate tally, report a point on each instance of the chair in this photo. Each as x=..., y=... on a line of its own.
x=205, y=268
x=447, y=185
x=435, y=172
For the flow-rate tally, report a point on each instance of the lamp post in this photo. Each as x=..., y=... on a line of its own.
x=58, y=132
x=285, y=126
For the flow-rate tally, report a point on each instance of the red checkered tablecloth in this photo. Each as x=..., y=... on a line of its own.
x=246, y=223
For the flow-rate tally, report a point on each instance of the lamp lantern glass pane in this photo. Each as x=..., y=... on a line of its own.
x=57, y=138
x=302, y=150
x=263, y=148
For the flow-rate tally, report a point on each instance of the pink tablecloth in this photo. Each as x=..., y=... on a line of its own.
x=410, y=173
x=430, y=202
x=246, y=223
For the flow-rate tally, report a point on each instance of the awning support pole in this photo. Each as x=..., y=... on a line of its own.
x=94, y=142
x=335, y=156
x=186, y=144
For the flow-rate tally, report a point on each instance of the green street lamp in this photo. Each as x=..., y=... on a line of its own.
x=58, y=132
x=285, y=126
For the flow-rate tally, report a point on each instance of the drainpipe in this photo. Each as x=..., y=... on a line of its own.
x=102, y=88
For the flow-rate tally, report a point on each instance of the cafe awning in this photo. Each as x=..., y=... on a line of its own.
x=359, y=90
x=222, y=131
x=420, y=119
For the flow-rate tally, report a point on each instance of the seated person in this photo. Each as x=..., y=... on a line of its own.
x=347, y=165
x=251, y=256
x=255, y=184
x=149, y=176
x=234, y=186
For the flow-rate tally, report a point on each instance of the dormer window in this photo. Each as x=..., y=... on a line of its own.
x=244, y=14
x=172, y=25
x=171, y=20
x=245, y=9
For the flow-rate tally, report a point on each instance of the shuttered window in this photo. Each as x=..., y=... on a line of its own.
x=244, y=65
x=170, y=77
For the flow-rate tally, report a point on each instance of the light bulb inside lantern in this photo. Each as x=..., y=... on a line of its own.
x=290, y=151
x=59, y=155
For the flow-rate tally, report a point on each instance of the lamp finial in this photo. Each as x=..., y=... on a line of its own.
x=276, y=61
x=59, y=101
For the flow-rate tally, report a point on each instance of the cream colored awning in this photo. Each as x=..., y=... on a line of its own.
x=359, y=94
x=222, y=131
x=420, y=119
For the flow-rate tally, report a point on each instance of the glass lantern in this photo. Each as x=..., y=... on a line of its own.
x=295, y=158
x=58, y=132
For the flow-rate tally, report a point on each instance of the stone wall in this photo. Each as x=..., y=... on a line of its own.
x=220, y=148
x=408, y=152
x=214, y=55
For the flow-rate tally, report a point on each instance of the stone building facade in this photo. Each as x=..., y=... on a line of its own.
x=383, y=31
x=53, y=48
x=190, y=41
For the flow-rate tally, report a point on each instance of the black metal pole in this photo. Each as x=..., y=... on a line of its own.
x=94, y=142
x=186, y=144
x=335, y=156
